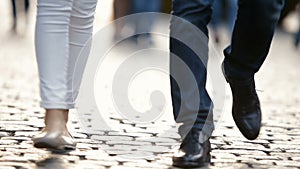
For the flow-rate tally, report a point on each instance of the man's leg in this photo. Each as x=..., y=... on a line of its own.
x=192, y=105
x=252, y=36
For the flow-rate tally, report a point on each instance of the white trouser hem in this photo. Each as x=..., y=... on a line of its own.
x=51, y=105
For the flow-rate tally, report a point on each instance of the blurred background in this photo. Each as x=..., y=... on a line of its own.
x=18, y=17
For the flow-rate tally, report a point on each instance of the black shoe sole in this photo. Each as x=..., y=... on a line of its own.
x=190, y=164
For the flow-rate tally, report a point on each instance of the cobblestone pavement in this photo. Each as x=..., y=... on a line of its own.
x=278, y=145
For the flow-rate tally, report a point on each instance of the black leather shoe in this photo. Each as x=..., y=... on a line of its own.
x=246, y=110
x=192, y=153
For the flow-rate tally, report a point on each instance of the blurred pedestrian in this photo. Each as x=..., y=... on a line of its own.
x=121, y=8
x=127, y=7
x=63, y=28
x=14, y=12
x=297, y=38
x=251, y=38
x=289, y=6
x=221, y=7
x=142, y=24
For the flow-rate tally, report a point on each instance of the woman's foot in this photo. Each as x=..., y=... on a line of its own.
x=55, y=135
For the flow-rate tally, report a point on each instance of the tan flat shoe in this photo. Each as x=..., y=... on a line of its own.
x=54, y=140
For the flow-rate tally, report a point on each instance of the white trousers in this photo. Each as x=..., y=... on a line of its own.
x=63, y=27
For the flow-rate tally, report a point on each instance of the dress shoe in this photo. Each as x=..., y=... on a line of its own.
x=54, y=140
x=246, y=110
x=192, y=153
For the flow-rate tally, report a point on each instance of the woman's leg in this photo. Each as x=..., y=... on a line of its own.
x=52, y=50
x=63, y=29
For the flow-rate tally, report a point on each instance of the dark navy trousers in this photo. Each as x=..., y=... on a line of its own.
x=250, y=43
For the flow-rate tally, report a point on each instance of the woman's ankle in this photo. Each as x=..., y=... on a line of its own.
x=56, y=118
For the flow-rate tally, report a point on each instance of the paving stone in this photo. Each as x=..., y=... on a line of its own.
x=158, y=141
x=16, y=165
x=17, y=159
x=123, y=167
x=297, y=158
x=228, y=166
x=98, y=160
x=31, y=157
x=111, y=138
x=19, y=139
x=239, y=151
x=7, y=167
x=78, y=135
x=25, y=133
x=7, y=142
x=155, y=149
x=135, y=134
x=144, y=164
x=91, y=164
x=288, y=164
x=3, y=134
x=15, y=128
x=131, y=143
x=136, y=155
